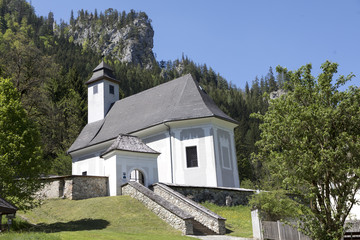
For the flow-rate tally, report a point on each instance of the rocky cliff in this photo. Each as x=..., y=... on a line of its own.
x=126, y=36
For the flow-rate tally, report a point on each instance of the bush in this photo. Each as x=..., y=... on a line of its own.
x=275, y=205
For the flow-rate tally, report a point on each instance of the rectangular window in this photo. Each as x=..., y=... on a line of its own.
x=191, y=157
x=226, y=158
x=111, y=89
x=95, y=89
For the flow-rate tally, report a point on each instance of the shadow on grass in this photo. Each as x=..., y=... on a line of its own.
x=228, y=231
x=79, y=225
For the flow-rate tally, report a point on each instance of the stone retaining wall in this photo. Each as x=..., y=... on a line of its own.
x=200, y=213
x=168, y=212
x=218, y=195
x=74, y=187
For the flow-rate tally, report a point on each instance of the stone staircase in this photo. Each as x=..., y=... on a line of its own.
x=200, y=229
x=175, y=209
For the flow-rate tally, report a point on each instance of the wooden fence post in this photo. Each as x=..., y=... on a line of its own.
x=256, y=225
x=279, y=230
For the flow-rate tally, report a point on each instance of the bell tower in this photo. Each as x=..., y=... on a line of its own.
x=103, y=92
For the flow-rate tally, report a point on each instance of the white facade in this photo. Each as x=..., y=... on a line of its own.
x=100, y=99
x=120, y=164
x=88, y=161
x=197, y=150
x=213, y=139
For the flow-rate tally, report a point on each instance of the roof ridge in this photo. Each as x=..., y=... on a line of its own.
x=102, y=65
x=152, y=88
x=179, y=97
x=203, y=94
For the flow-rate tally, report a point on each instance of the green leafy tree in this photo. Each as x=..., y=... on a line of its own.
x=310, y=145
x=21, y=160
x=275, y=205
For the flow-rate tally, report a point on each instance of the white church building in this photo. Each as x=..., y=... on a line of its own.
x=171, y=133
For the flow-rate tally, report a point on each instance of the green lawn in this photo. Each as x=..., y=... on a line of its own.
x=238, y=219
x=98, y=218
x=110, y=218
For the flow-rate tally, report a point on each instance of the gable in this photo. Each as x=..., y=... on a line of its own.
x=179, y=99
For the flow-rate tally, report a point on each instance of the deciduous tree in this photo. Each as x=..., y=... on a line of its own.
x=310, y=145
x=20, y=151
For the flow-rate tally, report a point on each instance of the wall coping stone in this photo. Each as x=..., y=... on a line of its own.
x=207, y=187
x=189, y=201
x=159, y=200
x=71, y=176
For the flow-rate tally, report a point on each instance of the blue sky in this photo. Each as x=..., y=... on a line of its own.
x=241, y=39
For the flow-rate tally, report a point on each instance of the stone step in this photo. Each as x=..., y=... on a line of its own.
x=200, y=229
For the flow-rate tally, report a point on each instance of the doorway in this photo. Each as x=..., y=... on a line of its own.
x=137, y=176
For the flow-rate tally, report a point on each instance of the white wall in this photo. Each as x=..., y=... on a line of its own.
x=225, y=152
x=96, y=102
x=160, y=142
x=99, y=103
x=110, y=171
x=88, y=160
x=93, y=166
x=121, y=163
x=209, y=136
x=205, y=173
x=109, y=99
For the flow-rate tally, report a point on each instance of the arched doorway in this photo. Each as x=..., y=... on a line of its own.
x=137, y=176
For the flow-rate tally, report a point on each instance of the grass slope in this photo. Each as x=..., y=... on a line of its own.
x=111, y=218
x=238, y=219
x=98, y=218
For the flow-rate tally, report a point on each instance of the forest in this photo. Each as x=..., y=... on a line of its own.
x=49, y=70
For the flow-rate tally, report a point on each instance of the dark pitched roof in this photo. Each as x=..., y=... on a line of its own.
x=129, y=143
x=102, y=71
x=6, y=207
x=179, y=99
x=87, y=134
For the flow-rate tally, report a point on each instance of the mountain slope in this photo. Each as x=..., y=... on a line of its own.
x=127, y=37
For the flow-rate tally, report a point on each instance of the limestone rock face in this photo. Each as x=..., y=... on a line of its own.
x=126, y=37
x=277, y=94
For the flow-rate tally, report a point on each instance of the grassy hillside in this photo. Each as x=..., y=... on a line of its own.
x=110, y=218
x=97, y=218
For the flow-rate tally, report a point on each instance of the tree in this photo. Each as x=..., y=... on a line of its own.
x=21, y=160
x=271, y=80
x=310, y=145
x=26, y=65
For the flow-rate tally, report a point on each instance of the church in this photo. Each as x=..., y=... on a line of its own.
x=171, y=133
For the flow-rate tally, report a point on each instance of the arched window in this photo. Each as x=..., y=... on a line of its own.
x=137, y=176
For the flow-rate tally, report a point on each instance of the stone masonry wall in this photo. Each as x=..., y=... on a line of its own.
x=171, y=214
x=84, y=187
x=217, y=195
x=200, y=213
x=54, y=188
x=73, y=187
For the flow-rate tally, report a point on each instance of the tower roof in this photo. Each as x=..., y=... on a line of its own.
x=179, y=99
x=102, y=71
